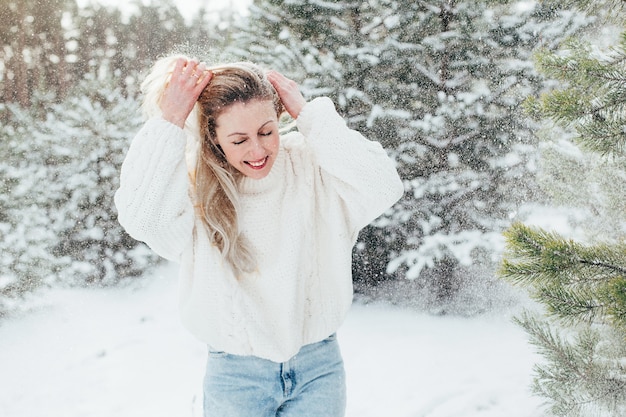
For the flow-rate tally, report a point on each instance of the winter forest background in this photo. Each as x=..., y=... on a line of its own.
x=496, y=112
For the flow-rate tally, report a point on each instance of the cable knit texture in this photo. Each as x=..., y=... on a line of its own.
x=302, y=219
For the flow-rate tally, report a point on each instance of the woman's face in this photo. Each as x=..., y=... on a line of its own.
x=248, y=135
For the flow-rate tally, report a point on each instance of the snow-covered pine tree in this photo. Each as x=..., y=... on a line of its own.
x=58, y=219
x=26, y=235
x=582, y=285
x=468, y=159
x=90, y=133
x=438, y=83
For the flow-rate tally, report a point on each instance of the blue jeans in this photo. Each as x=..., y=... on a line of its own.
x=312, y=383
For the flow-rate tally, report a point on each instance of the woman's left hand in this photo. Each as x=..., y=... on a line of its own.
x=288, y=92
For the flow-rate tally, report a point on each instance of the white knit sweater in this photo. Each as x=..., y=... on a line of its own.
x=326, y=184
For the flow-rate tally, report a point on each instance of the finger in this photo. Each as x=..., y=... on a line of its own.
x=205, y=79
x=179, y=66
x=182, y=70
x=275, y=74
x=282, y=84
x=199, y=72
x=272, y=76
x=193, y=72
x=275, y=78
x=190, y=67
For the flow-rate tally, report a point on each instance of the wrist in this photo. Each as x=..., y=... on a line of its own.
x=175, y=120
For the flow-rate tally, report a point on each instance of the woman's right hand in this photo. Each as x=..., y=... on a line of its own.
x=188, y=80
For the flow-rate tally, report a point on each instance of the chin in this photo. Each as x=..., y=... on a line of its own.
x=257, y=175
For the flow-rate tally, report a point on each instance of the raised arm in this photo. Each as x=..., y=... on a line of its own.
x=153, y=200
x=359, y=170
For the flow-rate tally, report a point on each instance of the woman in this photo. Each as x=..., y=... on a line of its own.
x=263, y=228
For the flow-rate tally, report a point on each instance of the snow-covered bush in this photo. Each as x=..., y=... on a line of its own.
x=60, y=173
x=90, y=134
x=26, y=261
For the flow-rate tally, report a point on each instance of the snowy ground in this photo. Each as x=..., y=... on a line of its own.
x=123, y=353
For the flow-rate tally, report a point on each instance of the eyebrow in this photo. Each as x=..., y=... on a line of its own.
x=244, y=134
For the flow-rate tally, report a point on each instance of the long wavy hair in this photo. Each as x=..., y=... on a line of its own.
x=214, y=180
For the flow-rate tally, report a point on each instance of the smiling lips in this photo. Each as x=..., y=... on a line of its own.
x=260, y=164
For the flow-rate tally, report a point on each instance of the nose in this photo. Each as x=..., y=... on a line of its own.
x=256, y=149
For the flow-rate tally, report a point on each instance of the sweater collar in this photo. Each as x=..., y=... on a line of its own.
x=248, y=185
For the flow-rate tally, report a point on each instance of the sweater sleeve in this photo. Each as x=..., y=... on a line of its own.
x=153, y=200
x=359, y=170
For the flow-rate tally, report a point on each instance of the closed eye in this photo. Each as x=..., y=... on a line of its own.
x=239, y=142
x=266, y=133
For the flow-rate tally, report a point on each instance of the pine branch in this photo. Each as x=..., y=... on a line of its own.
x=536, y=255
x=572, y=305
x=577, y=375
x=577, y=283
x=593, y=98
x=552, y=345
x=616, y=294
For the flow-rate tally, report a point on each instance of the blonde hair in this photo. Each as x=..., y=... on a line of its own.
x=215, y=180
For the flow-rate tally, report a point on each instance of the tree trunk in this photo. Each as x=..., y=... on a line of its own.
x=21, y=70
